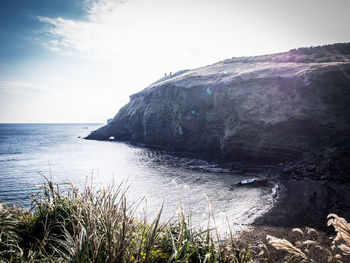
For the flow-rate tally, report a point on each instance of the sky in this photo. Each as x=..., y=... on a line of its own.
x=78, y=61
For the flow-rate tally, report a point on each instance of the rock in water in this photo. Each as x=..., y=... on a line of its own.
x=269, y=108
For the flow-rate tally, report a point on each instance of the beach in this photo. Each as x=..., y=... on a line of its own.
x=301, y=204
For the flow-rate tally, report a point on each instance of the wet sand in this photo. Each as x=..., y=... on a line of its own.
x=301, y=203
x=307, y=203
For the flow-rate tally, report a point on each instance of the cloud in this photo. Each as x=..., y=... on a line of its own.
x=99, y=37
x=125, y=32
x=97, y=7
x=199, y=31
x=19, y=87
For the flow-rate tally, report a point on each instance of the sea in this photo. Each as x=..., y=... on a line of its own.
x=30, y=153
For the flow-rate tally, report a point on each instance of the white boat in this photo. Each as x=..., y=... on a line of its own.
x=247, y=181
x=254, y=180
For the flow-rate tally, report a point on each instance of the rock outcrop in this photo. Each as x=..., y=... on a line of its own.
x=274, y=108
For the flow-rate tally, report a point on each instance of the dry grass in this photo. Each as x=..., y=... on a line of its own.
x=101, y=226
x=308, y=245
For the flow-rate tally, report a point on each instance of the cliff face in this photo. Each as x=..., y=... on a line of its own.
x=272, y=108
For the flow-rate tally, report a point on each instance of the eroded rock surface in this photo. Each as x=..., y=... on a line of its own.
x=274, y=108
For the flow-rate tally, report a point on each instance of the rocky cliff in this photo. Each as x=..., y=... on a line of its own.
x=275, y=108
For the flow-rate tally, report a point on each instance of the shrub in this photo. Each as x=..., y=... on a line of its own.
x=101, y=226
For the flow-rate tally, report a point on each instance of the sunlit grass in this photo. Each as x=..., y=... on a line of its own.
x=87, y=226
x=308, y=248
x=101, y=226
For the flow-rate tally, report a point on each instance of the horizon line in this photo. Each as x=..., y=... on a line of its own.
x=52, y=123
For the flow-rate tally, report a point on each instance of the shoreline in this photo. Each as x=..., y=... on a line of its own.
x=300, y=203
x=304, y=202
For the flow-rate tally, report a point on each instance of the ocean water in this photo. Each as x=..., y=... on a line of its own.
x=28, y=152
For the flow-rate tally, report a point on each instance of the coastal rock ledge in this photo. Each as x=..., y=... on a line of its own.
x=278, y=108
